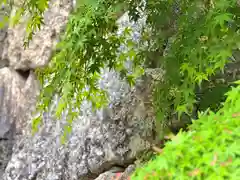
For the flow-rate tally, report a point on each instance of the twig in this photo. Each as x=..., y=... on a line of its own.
x=157, y=149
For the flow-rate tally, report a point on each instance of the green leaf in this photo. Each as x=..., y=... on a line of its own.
x=16, y=18
x=130, y=80
x=61, y=107
x=222, y=18
x=36, y=123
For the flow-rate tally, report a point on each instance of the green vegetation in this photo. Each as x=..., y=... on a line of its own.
x=209, y=150
x=192, y=40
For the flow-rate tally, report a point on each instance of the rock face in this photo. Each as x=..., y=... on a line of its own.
x=15, y=91
x=3, y=36
x=14, y=100
x=113, y=137
x=39, y=51
x=112, y=174
x=99, y=141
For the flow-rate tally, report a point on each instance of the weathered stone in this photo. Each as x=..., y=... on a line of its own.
x=112, y=136
x=118, y=174
x=40, y=48
x=106, y=175
x=16, y=101
x=18, y=97
x=3, y=35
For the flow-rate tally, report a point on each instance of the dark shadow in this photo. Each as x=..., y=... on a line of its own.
x=23, y=73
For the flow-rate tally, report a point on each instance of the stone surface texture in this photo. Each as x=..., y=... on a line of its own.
x=39, y=51
x=3, y=35
x=15, y=108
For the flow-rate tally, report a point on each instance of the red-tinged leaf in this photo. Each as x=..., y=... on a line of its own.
x=197, y=138
x=227, y=131
x=147, y=177
x=214, y=160
x=170, y=175
x=195, y=172
x=228, y=162
x=236, y=115
x=154, y=173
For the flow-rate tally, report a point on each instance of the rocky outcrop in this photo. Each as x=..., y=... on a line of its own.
x=100, y=141
x=39, y=50
x=18, y=96
x=15, y=108
x=116, y=173
x=113, y=137
x=4, y=11
x=18, y=83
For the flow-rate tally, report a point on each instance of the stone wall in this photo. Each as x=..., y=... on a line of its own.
x=18, y=84
x=111, y=137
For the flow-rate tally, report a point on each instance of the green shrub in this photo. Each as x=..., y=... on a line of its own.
x=209, y=150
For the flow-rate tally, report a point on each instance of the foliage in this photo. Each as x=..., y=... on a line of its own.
x=89, y=44
x=200, y=37
x=202, y=45
x=191, y=40
x=34, y=10
x=209, y=150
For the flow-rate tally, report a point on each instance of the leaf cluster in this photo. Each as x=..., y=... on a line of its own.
x=31, y=12
x=90, y=43
x=190, y=40
x=209, y=150
x=202, y=41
